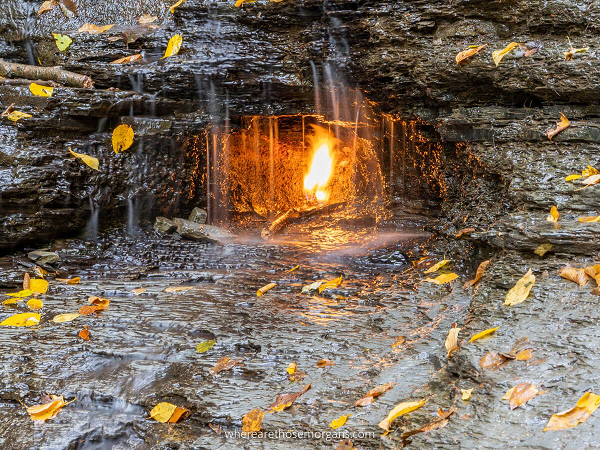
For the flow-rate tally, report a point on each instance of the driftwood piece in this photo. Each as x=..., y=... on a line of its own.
x=293, y=215
x=279, y=223
x=15, y=70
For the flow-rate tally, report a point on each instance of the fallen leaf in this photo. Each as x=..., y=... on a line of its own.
x=339, y=422
x=172, y=289
x=48, y=410
x=400, y=410
x=147, y=18
x=492, y=360
x=62, y=42
x=34, y=304
x=483, y=334
x=41, y=91
x=589, y=181
x=38, y=285
x=480, y=269
x=239, y=3
x=251, y=422
x=99, y=302
x=291, y=368
x=465, y=55
x=364, y=401
x=499, y=54
x=554, y=215
x=572, y=274
x=561, y=125
x=138, y=291
x=572, y=51
x=373, y=393
x=589, y=171
x=84, y=333
x=89, y=309
x=284, y=401
x=346, y=444
x=508, y=393
x=179, y=414
x=593, y=272
x=48, y=5
x=312, y=287
x=297, y=376
x=437, y=266
x=74, y=280
x=128, y=59
x=21, y=320
x=65, y=317
x=399, y=341
x=293, y=269
x=521, y=394
x=163, y=412
x=445, y=414
x=451, y=343
x=589, y=219
x=94, y=29
x=174, y=46
x=90, y=161
x=216, y=428
x=331, y=284
x=176, y=5
x=205, y=346
x=68, y=8
x=542, y=249
x=524, y=355
x=520, y=291
x=265, y=288
x=15, y=116
x=223, y=364
x=464, y=231
x=325, y=363
x=572, y=177
x=466, y=394
x=26, y=281
x=21, y=294
x=122, y=138
x=442, y=279
x=570, y=418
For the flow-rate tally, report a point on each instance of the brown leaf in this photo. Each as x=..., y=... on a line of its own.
x=284, y=401
x=364, y=401
x=68, y=8
x=89, y=309
x=225, y=363
x=440, y=423
x=216, y=428
x=147, y=18
x=127, y=59
x=252, y=420
x=492, y=360
x=178, y=414
x=463, y=57
x=325, y=363
x=521, y=394
x=99, y=302
x=84, y=334
x=561, y=125
x=48, y=5
x=451, y=343
x=399, y=341
x=369, y=397
x=465, y=231
x=445, y=414
x=572, y=274
x=570, y=418
x=346, y=444
x=479, y=273
x=591, y=271
x=26, y=281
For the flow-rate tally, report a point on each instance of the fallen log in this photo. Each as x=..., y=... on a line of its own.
x=16, y=70
x=293, y=215
x=280, y=222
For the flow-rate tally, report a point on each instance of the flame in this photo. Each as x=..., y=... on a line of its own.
x=320, y=172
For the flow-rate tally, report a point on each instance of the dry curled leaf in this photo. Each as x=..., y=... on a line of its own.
x=99, y=302
x=593, y=272
x=561, y=125
x=369, y=397
x=223, y=364
x=284, y=401
x=465, y=55
x=520, y=394
x=330, y=284
x=483, y=334
x=265, y=288
x=94, y=29
x=251, y=422
x=451, y=343
x=291, y=368
x=128, y=59
x=585, y=407
x=479, y=273
x=47, y=410
x=499, y=54
x=521, y=290
x=572, y=274
x=554, y=215
x=492, y=360
x=400, y=410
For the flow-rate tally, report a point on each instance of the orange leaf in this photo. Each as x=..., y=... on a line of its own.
x=561, y=125
x=479, y=273
x=252, y=420
x=325, y=363
x=463, y=56
x=84, y=334
x=572, y=274
x=128, y=59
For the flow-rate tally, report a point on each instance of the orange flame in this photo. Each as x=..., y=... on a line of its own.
x=320, y=172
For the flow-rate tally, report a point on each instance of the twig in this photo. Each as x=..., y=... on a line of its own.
x=23, y=82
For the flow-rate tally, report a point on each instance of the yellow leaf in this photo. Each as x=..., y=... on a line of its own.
x=173, y=46
x=239, y=3
x=252, y=420
x=41, y=91
x=463, y=56
x=561, y=125
x=451, y=343
x=442, y=279
x=38, y=285
x=572, y=51
x=572, y=177
x=589, y=172
x=570, y=418
x=312, y=286
x=508, y=393
x=483, y=334
x=34, y=304
x=178, y=288
x=265, y=288
x=330, y=284
x=340, y=421
x=205, y=346
x=466, y=394
x=21, y=294
x=21, y=320
x=400, y=410
x=65, y=317
x=138, y=291
x=128, y=59
x=437, y=266
x=176, y=5
x=94, y=29
x=147, y=18
x=15, y=116
x=293, y=268
x=499, y=54
x=542, y=249
x=74, y=280
x=12, y=301
x=291, y=368
x=90, y=161
x=47, y=410
x=520, y=291
x=163, y=412
x=554, y=215
x=62, y=42
x=589, y=219
x=122, y=138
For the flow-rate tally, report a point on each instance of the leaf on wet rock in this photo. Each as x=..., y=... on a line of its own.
x=570, y=54
x=339, y=422
x=483, y=334
x=589, y=219
x=223, y=364
x=330, y=284
x=572, y=177
x=498, y=55
x=466, y=394
x=48, y=410
x=122, y=138
x=251, y=422
x=21, y=294
x=451, y=343
x=147, y=18
x=26, y=281
x=400, y=410
x=90, y=161
x=589, y=181
x=167, y=412
x=291, y=368
x=542, y=249
x=15, y=116
x=38, y=285
x=312, y=286
x=346, y=444
x=561, y=125
x=265, y=288
x=585, y=407
x=69, y=8
x=74, y=280
x=284, y=401
x=520, y=394
x=239, y=3
x=128, y=59
x=138, y=291
x=437, y=266
x=464, y=232
x=573, y=274
x=325, y=363
x=48, y=5
x=89, y=309
x=99, y=302
x=480, y=270
x=521, y=290
x=399, y=341
x=21, y=320
x=205, y=346
x=172, y=289
x=176, y=5
x=593, y=272
x=442, y=279
x=465, y=55
x=178, y=414
x=554, y=215
x=62, y=42
x=173, y=46
x=524, y=355
x=369, y=397
x=34, y=304
x=492, y=360
x=293, y=269
x=41, y=91
x=84, y=333
x=65, y=317
x=94, y=29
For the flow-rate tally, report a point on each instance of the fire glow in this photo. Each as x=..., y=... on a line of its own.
x=321, y=169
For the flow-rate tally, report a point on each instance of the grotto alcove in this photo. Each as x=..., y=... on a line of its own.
x=327, y=144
